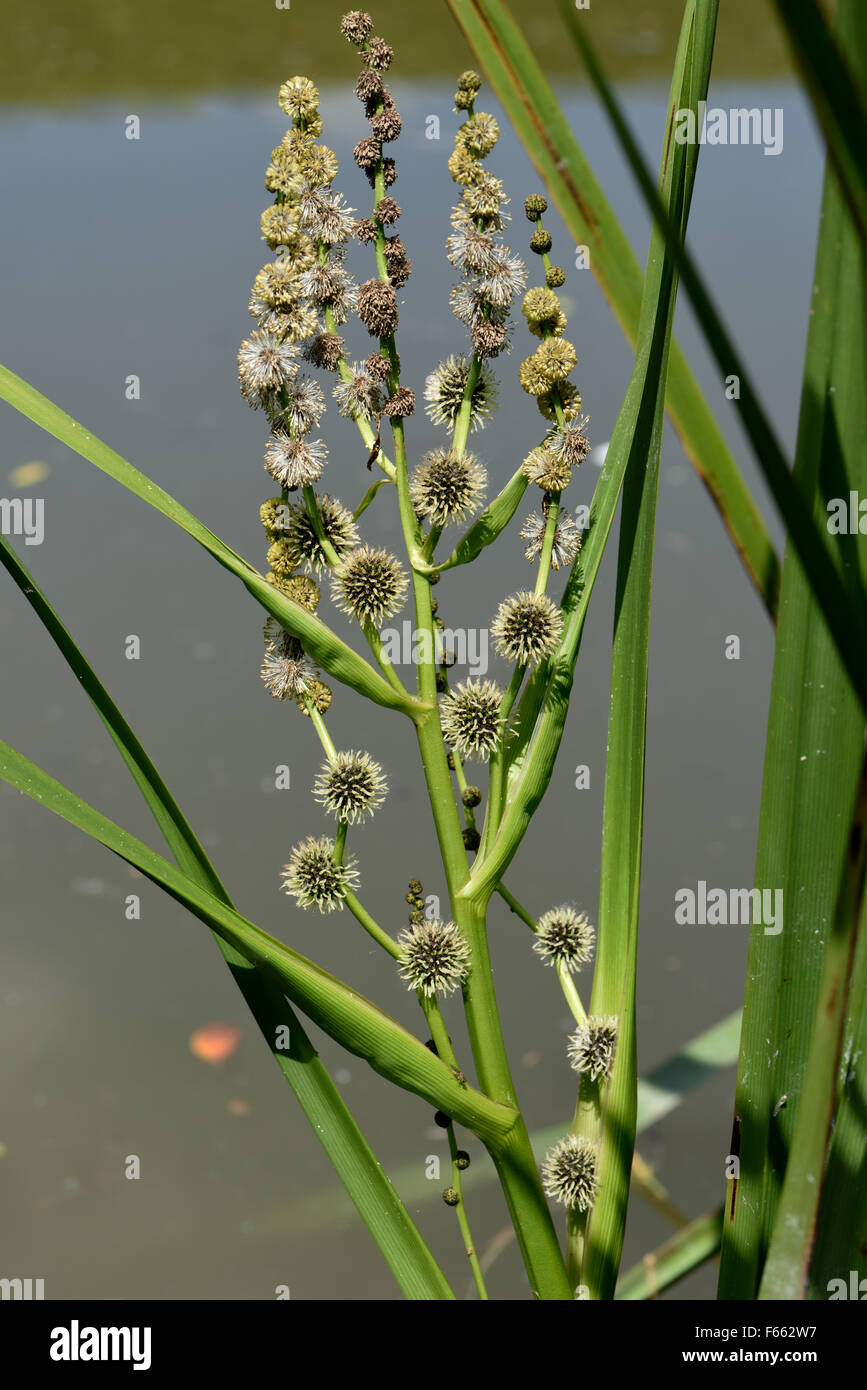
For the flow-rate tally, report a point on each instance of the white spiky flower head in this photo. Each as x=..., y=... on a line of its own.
x=448, y=486
x=567, y=538
x=302, y=540
x=569, y=1172
x=294, y=463
x=315, y=879
x=564, y=937
x=370, y=585
x=527, y=627
x=436, y=958
x=265, y=363
x=471, y=718
x=444, y=392
x=592, y=1046
x=351, y=786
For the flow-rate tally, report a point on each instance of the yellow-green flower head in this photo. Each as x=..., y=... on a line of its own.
x=319, y=166
x=315, y=879
x=280, y=225
x=299, y=98
x=284, y=174
x=567, y=538
x=369, y=584
x=471, y=718
x=479, y=134
x=271, y=515
x=541, y=308
x=319, y=695
x=569, y=1172
x=448, y=487
x=569, y=400
x=436, y=958
x=265, y=364
x=444, y=392
x=294, y=463
x=280, y=559
x=527, y=628
x=276, y=286
x=465, y=167
x=302, y=591
x=337, y=523
x=325, y=216
x=547, y=470
x=592, y=1046
x=564, y=937
x=485, y=198
x=351, y=786
x=552, y=361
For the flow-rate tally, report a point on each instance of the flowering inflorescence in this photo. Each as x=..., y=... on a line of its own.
x=569, y=1172
x=436, y=958
x=471, y=718
x=351, y=786
x=527, y=628
x=592, y=1046
x=315, y=879
x=564, y=938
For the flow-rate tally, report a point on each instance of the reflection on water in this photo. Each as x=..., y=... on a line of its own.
x=140, y=264
x=53, y=54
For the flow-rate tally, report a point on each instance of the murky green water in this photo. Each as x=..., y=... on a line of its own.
x=135, y=258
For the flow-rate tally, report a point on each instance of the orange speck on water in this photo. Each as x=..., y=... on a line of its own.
x=214, y=1042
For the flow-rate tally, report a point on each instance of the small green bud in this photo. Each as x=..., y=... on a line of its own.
x=451, y=1197
x=463, y=100
x=534, y=206
x=442, y=1120
x=471, y=837
x=462, y=1159
x=442, y=682
x=471, y=796
x=469, y=81
x=555, y=276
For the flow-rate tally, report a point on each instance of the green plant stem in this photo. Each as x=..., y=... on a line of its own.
x=498, y=759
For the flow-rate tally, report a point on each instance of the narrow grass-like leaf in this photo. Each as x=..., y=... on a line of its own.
x=353, y=1021
x=538, y=119
x=486, y=528
x=812, y=759
x=363, y=1177
x=677, y=1257
x=845, y=613
x=786, y=1270
x=326, y=649
x=837, y=95
x=606, y=1109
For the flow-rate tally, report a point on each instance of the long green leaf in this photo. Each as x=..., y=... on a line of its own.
x=338, y=659
x=837, y=95
x=349, y=1018
x=538, y=119
x=845, y=613
x=606, y=1110
x=363, y=1177
x=813, y=754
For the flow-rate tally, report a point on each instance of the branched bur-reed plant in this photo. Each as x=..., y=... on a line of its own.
x=304, y=302
x=785, y=1229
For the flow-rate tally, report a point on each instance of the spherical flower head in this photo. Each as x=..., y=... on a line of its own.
x=303, y=542
x=318, y=694
x=567, y=538
x=479, y=134
x=280, y=225
x=569, y=1172
x=503, y=279
x=369, y=86
x=527, y=627
x=471, y=718
x=302, y=591
x=400, y=404
x=314, y=878
x=568, y=400
x=541, y=308
x=592, y=1047
x=264, y=365
x=370, y=585
x=271, y=515
x=552, y=361
x=386, y=124
x=571, y=443
x=547, y=470
x=555, y=276
x=377, y=308
x=471, y=249
x=326, y=350
x=378, y=55
x=447, y=487
x=469, y=81
x=301, y=406
x=280, y=558
x=444, y=392
x=294, y=463
x=541, y=242
x=356, y=26
x=436, y=958
x=359, y=396
x=285, y=676
x=299, y=98
x=534, y=206
x=351, y=786
x=325, y=215
x=564, y=938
